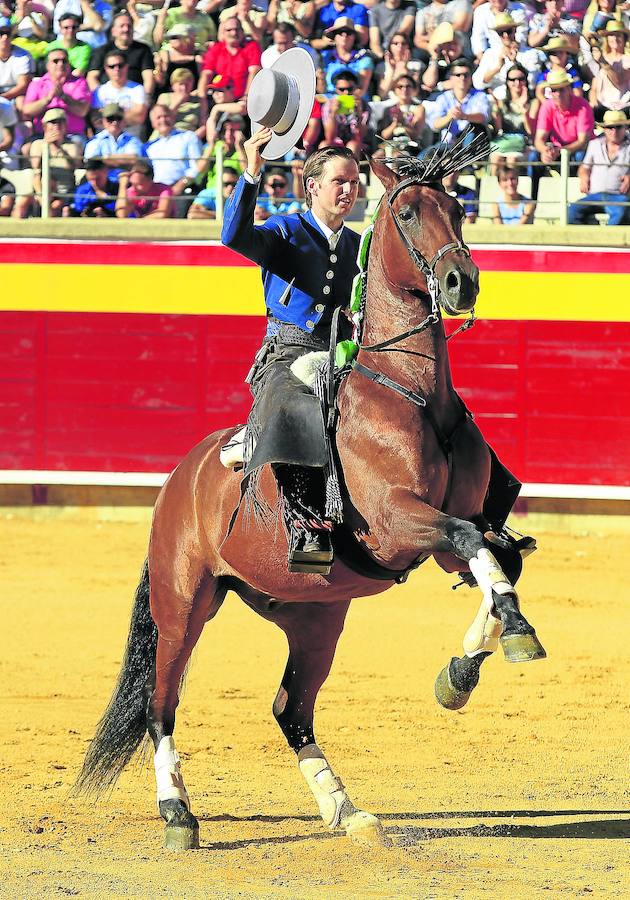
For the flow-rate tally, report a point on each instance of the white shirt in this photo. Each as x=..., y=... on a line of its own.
x=19, y=63
x=483, y=34
x=331, y=236
x=8, y=119
x=131, y=94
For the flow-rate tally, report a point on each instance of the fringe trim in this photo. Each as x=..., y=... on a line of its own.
x=334, y=500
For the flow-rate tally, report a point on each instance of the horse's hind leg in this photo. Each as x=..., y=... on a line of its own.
x=312, y=630
x=499, y=617
x=180, y=610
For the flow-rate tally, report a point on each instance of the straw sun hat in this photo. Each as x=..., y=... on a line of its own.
x=281, y=98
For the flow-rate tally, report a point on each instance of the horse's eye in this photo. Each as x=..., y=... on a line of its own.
x=406, y=214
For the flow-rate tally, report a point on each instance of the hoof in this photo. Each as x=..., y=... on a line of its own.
x=182, y=829
x=178, y=838
x=446, y=694
x=522, y=647
x=364, y=828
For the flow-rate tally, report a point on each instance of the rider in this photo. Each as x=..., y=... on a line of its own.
x=308, y=263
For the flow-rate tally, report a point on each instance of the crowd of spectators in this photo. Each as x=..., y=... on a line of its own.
x=139, y=95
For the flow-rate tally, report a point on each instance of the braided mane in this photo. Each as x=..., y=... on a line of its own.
x=470, y=146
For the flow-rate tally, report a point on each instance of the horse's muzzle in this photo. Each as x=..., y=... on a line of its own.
x=458, y=278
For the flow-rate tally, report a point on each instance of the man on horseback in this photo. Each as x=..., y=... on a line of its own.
x=308, y=264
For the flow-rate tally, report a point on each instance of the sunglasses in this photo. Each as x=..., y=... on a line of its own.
x=520, y=78
x=556, y=90
x=277, y=184
x=113, y=118
x=613, y=127
x=115, y=65
x=343, y=88
x=345, y=32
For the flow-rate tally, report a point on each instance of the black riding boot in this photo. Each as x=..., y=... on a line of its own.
x=310, y=547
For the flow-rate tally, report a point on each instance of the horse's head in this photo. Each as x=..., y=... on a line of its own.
x=423, y=247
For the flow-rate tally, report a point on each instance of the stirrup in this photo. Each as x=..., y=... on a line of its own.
x=310, y=552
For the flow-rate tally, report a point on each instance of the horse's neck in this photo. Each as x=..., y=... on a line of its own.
x=425, y=366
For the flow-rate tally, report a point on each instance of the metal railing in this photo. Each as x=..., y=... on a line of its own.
x=549, y=209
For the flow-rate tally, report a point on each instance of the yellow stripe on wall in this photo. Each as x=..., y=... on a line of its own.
x=223, y=290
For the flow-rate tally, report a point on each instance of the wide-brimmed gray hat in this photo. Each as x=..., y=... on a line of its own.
x=281, y=98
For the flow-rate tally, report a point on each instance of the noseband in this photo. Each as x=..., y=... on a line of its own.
x=427, y=267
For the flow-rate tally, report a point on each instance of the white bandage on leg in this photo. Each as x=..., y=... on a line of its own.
x=489, y=576
x=484, y=633
x=168, y=777
x=327, y=789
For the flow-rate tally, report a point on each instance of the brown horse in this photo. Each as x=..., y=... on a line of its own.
x=415, y=473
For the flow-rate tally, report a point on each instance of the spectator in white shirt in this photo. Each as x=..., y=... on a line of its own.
x=483, y=34
x=176, y=156
x=127, y=94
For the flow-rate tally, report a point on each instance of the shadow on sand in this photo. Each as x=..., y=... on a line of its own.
x=409, y=835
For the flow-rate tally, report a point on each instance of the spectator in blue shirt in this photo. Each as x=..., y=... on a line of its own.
x=455, y=109
x=176, y=156
x=117, y=148
x=275, y=198
x=96, y=196
x=346, y=54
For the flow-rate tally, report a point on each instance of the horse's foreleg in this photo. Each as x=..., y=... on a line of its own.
x=499, y=617
x=180, y=621
x=312, y=630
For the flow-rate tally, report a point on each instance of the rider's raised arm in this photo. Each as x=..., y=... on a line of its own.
x=256, y=242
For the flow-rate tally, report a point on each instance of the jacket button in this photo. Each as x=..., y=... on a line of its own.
x=310, y=324
x=320, y=307
x=326, y=289
x=330, y=274
x=333, y=257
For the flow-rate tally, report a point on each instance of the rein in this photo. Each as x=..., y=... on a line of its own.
x=427, y=267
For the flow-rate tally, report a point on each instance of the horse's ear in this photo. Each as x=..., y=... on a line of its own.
x=388, y=178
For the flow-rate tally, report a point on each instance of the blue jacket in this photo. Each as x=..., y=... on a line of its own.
x=303, y=279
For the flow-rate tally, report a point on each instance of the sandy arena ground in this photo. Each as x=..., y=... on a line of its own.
x=524, y=793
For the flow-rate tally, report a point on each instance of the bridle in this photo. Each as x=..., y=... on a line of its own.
x=427, y=267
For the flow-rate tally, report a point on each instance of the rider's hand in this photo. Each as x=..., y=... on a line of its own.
x=252, y=148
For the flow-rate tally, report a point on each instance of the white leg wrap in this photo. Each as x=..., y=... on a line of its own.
x=327, y=789
x=168, y=776
x=489, y=576
x=484, y=633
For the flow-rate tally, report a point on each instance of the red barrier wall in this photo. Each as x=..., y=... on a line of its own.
x=133, y=391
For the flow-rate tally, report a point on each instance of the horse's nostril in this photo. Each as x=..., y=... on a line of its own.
x=453, y=281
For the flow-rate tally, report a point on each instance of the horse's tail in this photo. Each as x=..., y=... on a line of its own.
x=124, y=722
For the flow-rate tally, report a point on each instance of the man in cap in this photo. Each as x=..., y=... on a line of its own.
x=64, y=158
x=564, y=121
x=96, y=196
x=346, y=55
x=483, y=34
x=605, y=174
x=173, y=19
x=330, y=13
x=116, y=147
x=497, y=60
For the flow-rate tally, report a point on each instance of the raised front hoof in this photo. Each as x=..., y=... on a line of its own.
x=522, y=647
x=182, y=828
x=446, y=694
x=364, y=828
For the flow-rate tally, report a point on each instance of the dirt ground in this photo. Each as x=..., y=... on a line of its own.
x=524, y=791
